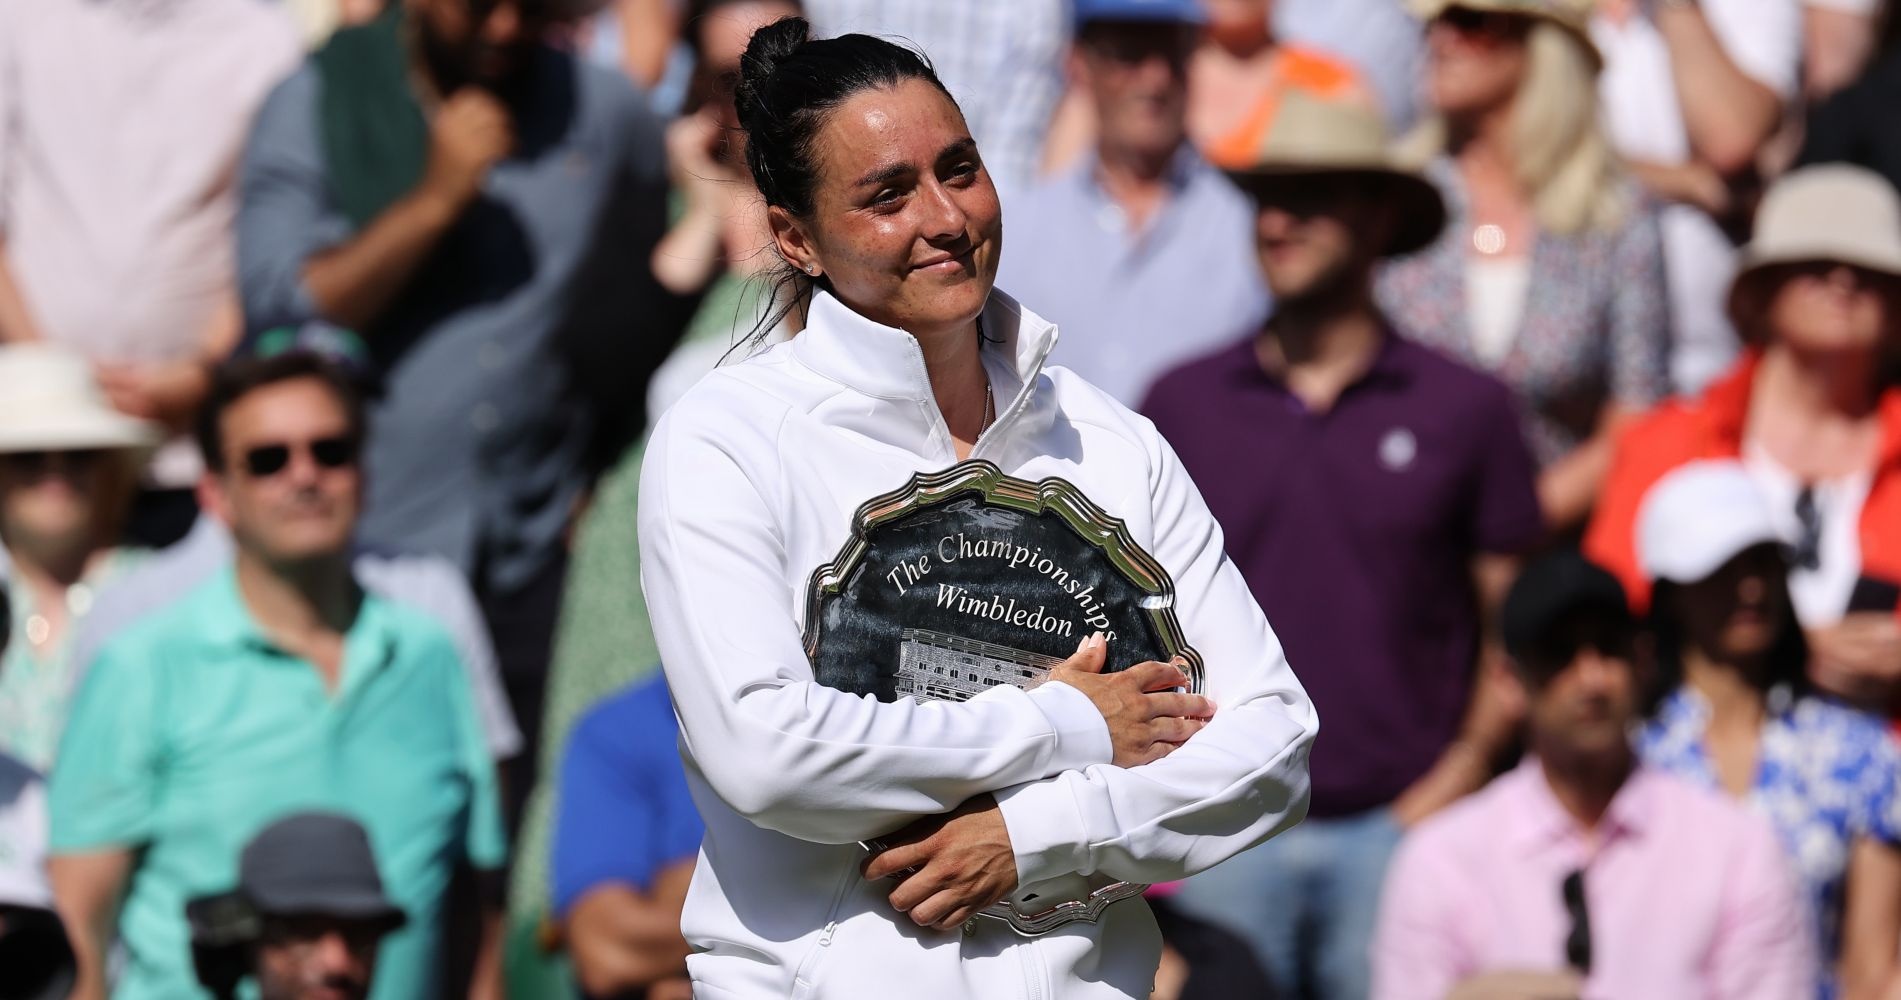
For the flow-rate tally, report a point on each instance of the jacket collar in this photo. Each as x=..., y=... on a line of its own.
x=887, y=365
x=1723, y=412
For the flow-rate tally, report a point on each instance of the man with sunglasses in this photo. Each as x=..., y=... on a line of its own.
x=1583, y=873
x=1373, y=494
x=481, y=207
x=278, y=686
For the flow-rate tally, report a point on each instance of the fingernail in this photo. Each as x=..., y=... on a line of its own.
x=1098, y=639
x=1082, y=644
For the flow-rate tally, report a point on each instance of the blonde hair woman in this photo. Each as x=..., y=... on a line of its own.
x=1550, y=270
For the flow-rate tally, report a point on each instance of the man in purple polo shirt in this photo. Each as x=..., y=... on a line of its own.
x=1374, y=494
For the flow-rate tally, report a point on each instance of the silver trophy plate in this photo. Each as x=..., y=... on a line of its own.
x=966, y=579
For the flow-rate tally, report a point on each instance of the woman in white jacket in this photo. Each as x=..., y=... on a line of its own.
x=908, y=363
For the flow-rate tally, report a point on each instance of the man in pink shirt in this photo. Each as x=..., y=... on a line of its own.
x=1581, y=874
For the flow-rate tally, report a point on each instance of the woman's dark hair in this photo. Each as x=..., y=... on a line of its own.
x=1787, y=659
x=789, y=84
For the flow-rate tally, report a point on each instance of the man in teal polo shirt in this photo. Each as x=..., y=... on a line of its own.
x=277, y=687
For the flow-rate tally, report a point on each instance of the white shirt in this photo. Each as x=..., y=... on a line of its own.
x=1495, y=292
x=1645, y=122
x=750, y=483
x=23, y=829
x=1820, y=593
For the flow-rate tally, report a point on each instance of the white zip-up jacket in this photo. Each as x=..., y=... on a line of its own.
x=750, y=483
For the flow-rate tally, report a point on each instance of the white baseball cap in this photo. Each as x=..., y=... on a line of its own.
x=1699, y=517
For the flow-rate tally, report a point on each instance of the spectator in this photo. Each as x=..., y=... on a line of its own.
x=1141, y=251
x=719, y=244
x=428, y=584
x=494, y=252
x=33, y=947
x=1692, y=89
x=1737, y=715
x=309, y=914
x=277, y=686
x=1372, y=493
x=1236, y=79
x=1379, y=38
x=68, y=465
x=1583, y=873
x=1550, y=270
x=625, y=845
x=1818, y=295
x=1240, y=74
x=124, y=124
x=1001, y=59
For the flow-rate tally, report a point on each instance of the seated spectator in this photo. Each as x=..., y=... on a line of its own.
x=1142, y=251
x=68, y=466
x=1309, y=438
x=307, y=919
x=278, y=685
x=481, y=207
x=33, y=947
x=1691, y=93
x=626, y=841
x=115, y=238
x=1806, y=412
x=1737, y=715
x=1584, y=873
x=424, y=583
x=1241, y=72
x=1550, y=271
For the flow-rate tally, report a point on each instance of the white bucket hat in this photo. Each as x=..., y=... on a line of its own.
x=1699, y=517
x=49, y=401
x=1828, y=212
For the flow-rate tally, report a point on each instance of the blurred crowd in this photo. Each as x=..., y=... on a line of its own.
x=1540, y=359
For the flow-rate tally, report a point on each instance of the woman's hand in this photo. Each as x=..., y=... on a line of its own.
x=1147, y=720
x=951, y=865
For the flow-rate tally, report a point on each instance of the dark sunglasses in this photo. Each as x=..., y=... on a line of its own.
x=1807, y=551
x=1577, y=944
x=329, y=453
x=1306, y=197
x=1483, y=23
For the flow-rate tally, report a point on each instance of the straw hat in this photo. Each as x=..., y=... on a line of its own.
x=49, y=401
x=1312, y=136
x=1573, y=16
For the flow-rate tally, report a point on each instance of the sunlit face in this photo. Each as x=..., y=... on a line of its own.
x=317, y=958
x=1137, y=76
x=1475, y=60
x=305, y=509
x=1738, y=611
x=905, y=223
x=1827, y=306
x=1585, y=708
x=52, y=502
x=1314, y=234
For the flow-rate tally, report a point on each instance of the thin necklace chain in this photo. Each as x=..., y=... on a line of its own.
x=990, y=403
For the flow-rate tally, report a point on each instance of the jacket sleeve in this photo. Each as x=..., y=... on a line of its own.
x=786, y=752
x=1237, y=782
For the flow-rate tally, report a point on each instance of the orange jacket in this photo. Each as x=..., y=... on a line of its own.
x=1711, y=426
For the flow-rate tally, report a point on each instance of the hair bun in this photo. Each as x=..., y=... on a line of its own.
x=769, y=49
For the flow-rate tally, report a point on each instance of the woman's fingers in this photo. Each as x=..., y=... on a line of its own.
x=1169, y=729
x=1153, y=676
x=1187, y=706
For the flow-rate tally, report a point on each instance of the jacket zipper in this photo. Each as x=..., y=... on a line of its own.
x=1033, y=971
x=807, y=973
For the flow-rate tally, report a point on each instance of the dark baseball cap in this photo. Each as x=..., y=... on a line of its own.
x=1549, y=601
x=315, y=864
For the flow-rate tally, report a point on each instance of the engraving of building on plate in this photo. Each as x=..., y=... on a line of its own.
x=935, y=666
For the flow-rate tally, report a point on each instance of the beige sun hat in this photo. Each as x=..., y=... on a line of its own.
x=1827, y=212
x=1573, y=16
x=49, y=401
x=1312, y=135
